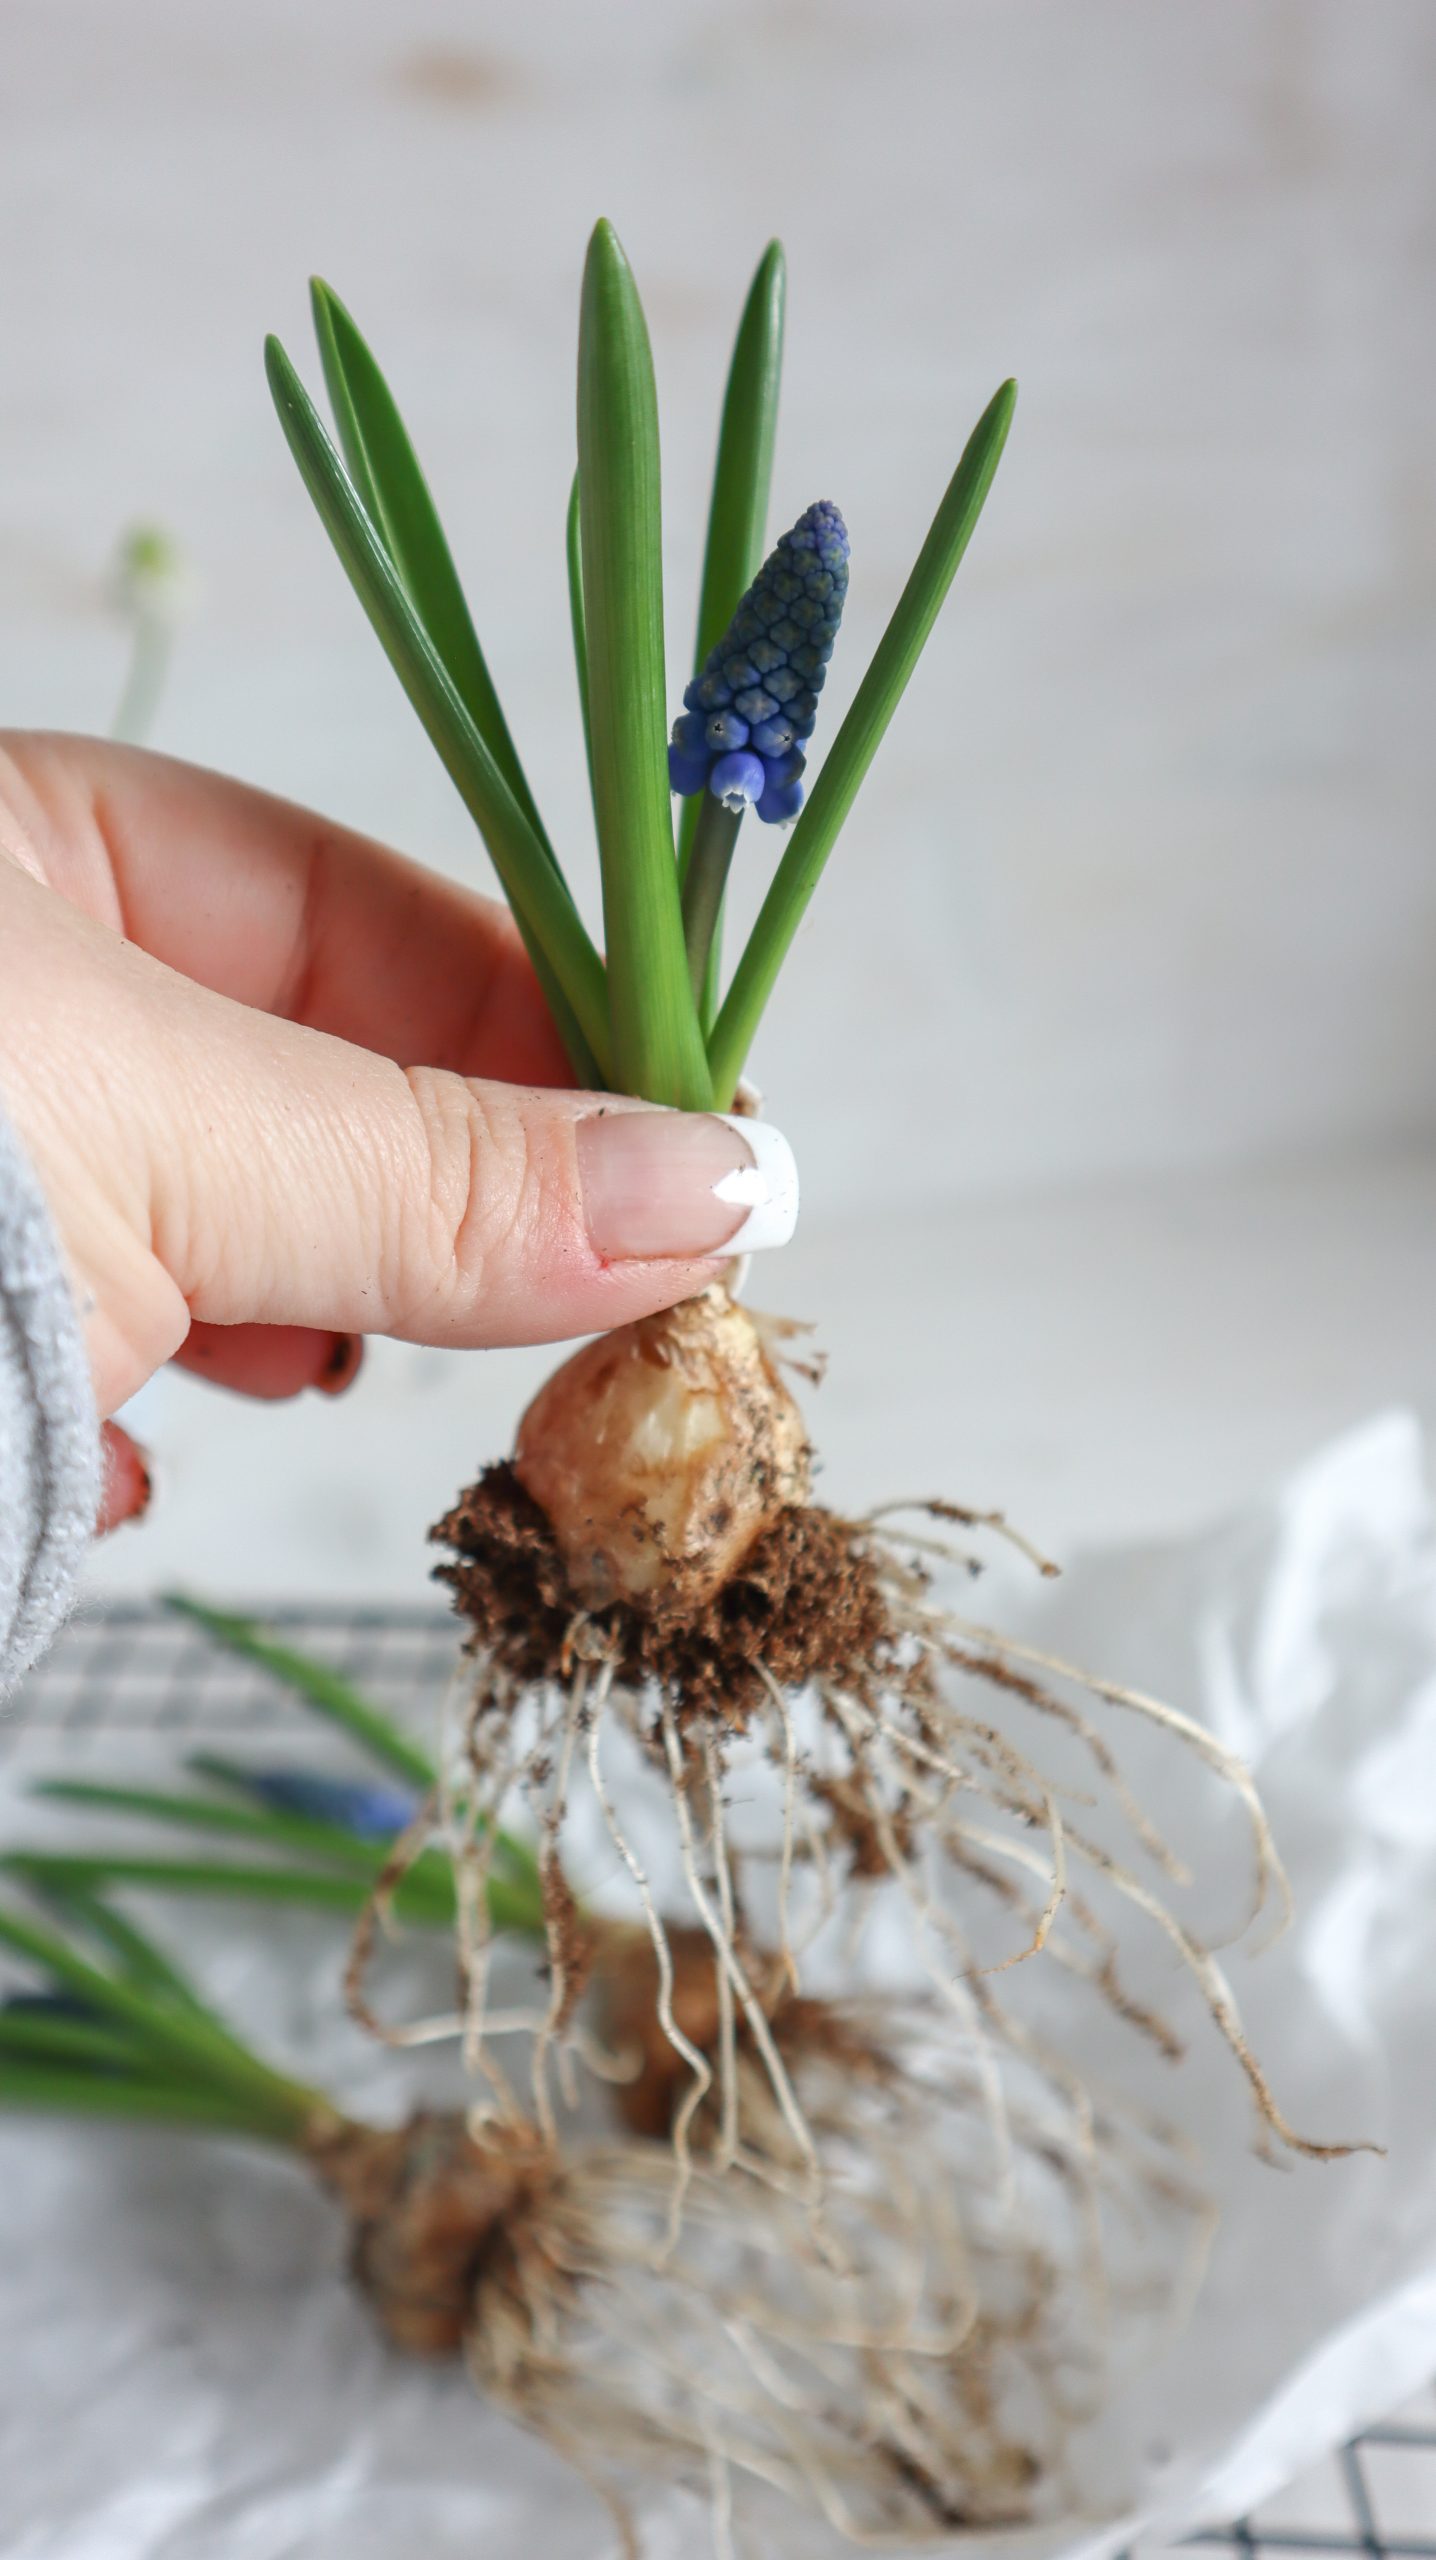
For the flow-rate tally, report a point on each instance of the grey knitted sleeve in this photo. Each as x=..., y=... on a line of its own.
x=49, y=1432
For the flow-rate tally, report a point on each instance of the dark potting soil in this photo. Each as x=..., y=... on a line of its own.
x=805, y=1601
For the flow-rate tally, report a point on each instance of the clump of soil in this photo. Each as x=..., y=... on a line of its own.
x=805, y=1601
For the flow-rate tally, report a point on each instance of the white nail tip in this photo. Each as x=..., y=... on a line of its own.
x=767, y=1188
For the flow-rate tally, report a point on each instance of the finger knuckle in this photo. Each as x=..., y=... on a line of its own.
x=487, y=1202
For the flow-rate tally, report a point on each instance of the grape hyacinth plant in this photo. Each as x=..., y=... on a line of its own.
x=868, y=2385
x=718, y=1749
x=648, y=1575
x=914, y=2303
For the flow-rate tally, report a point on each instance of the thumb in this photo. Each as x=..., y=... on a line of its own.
x=298, y=1180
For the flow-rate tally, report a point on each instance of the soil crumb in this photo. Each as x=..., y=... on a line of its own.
x=804, y=1601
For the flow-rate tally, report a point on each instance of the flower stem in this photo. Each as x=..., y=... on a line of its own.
x=715, y=834
x=151, y=638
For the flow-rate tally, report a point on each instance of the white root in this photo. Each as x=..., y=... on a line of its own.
x=555, y=1888
x=731, y=1969
x=884, y=2391
x=698, y=2063
x=1271, y=1877
x=788, y=1738
x=997, y=1521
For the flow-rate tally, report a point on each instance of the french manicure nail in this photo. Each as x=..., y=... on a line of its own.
x=674, y=1185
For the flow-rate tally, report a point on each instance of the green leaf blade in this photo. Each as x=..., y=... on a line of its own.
x=568, y=967
x=328, y=1691
x=387, y=475
x=52, y=2089
x=578, y=620
x=63, y=1872
x=32, y=2034
x=189, y=2044
x=657, y=1045
x=743, y=470
x=266, y=1828
x=856, y=743
x=738, y=517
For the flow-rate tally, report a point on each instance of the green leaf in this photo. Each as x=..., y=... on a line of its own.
x=192, y=2045
x=656, y=1041
x=145, y=1963
x=515, y=1853
x=385, y=471
x=54, y=2090
x=569, y=969
x=573, y=553
x=425, y=1897
x=737, y=519
x=333, y=1696
x=58, y=2038
x=743, y=471
x=301, y=1834
x=855, y=745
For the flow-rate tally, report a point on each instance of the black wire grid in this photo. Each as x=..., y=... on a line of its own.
x=127, y=1667
x=130, y=1668
x=1376, y=2497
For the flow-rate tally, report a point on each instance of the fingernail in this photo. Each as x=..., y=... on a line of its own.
x=342, y=1365
x=672, y=1185
x=127, y=1481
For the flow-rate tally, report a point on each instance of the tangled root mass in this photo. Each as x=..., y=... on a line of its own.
x=748, y=1770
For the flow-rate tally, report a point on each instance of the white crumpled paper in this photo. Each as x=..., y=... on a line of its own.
x=186, y=2377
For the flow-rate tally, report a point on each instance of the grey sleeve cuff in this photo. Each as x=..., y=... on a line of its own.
x=49, y=1430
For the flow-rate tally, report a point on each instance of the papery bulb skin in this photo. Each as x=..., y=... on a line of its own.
x=659, y=1453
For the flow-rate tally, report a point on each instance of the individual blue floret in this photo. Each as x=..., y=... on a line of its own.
x=754, y=700
x=358, y=1805
x=687, y=773
x=780, y=802
x=738, y=780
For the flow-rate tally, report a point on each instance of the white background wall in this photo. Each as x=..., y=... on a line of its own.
x=1144, y=879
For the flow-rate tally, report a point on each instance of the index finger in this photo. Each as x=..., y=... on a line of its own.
x=265, y=902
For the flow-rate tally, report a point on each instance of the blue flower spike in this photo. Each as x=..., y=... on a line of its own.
x=357, y=1805
x=754, y=700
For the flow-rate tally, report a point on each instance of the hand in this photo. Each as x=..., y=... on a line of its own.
x=283, y=1088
